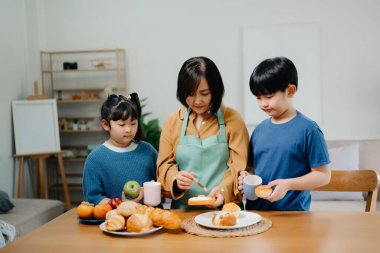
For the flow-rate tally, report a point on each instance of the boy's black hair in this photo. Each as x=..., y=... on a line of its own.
x=189, y=78
x=273, y=75
x=119, y=107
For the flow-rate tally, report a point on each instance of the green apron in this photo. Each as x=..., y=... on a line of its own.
x=206, y=158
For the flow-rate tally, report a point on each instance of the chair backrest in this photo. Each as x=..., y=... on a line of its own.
x=355, y=181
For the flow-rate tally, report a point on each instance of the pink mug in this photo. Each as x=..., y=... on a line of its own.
x=152, y=193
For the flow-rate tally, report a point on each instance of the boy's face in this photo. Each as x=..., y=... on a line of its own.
x=277, y=104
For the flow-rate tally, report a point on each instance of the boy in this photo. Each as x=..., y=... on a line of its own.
x=289, y=150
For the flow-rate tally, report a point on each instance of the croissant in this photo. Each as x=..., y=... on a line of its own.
x=159, y=217
x=115, y=222
x=143, y=209
x=165, y=218
x=127, y=208
x=139, y=223
x=110, y=213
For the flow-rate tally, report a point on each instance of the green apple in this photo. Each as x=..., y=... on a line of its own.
x=131, y=189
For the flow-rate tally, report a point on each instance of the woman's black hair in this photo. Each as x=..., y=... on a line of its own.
x=189, y=78
x=119, y=107
x=273, y=75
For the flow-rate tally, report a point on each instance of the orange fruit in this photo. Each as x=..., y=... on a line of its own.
x=85, y=210
x=100, y=211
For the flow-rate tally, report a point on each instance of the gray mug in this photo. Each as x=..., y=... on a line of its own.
x=250, y=183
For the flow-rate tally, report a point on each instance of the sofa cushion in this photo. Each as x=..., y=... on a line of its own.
x=29, y=214
x=340, y=206
x=342, y=158
x=5, y=203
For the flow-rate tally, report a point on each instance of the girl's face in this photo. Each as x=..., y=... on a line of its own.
x=276, y=105
x=121, y=132
x=200, y=100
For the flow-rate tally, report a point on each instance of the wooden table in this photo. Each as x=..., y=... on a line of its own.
x=330, y=232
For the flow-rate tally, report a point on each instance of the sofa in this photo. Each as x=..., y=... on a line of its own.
x=29, y=214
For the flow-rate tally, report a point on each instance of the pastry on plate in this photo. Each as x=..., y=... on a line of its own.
x=127, y=208
x=115, y=222
x=200, y=200
x=224, y=219
x=232, y=208
x=139, y=223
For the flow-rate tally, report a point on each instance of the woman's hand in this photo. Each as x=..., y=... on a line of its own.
x=216, y=193
x=241, y=180
x=184, y=180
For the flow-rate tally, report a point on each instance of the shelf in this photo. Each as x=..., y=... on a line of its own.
x=81, y=70
x=76, y=101
x=72, y=187
x=78, y=118
x=73, y=175
x=78, y=52
x=73, y=147
x=79, y=94
x=71, y=159
x=81, y=131
x=79, y=90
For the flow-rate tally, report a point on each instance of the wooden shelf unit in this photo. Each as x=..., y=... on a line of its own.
x=80, y=81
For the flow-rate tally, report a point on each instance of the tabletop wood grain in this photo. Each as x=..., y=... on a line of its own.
x=291, y=232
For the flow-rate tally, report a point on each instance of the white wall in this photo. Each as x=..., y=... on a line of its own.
x=13, y=70
x=159, y=35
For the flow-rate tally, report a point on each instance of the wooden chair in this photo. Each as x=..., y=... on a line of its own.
x=355, y=181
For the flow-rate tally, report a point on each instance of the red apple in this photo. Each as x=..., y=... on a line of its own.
x=114, y=202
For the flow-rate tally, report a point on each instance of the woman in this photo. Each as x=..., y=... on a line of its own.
x=204, y=139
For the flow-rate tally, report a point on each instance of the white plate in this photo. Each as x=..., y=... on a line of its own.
x=245, y=219
x=103, y=228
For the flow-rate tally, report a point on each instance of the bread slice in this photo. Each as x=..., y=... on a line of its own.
x=200, y=200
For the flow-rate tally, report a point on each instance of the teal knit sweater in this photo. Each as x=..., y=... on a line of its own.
x=106, y=171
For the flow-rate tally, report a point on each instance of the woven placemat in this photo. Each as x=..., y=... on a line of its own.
x=191, y=227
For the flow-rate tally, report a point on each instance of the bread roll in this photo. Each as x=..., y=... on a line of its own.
x=159, y=217
x=127, y=208
x=200, y=200
x=232, y=208
x=143, y=209
x=165, y=218
x=139, y=223
x=115, y=222
x=110, y=213
x=224, y=219
x=263, y=191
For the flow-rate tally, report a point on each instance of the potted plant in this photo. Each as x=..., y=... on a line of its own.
x=151, y=129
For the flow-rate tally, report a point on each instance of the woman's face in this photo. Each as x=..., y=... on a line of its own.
x=200, y=100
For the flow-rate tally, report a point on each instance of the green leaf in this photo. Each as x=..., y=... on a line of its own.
x=151, y=130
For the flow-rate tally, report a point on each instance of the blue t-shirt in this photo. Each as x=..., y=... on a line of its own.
x=287, y=150
x=106, y=171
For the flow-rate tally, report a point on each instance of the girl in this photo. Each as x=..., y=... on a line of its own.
x=123, y=157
